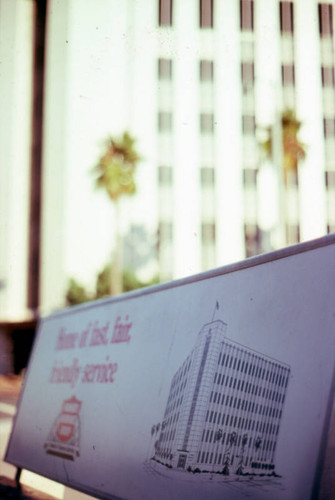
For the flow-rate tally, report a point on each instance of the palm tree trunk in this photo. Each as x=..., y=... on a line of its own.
x=278, y=156
x=116, y=267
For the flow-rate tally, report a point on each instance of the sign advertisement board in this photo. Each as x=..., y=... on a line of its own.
x=214, y=386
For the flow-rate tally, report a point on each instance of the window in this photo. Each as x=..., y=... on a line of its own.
x=325, y=19
x=250, y=177
x=207, y=123
x=327, y=75
x=165, y=176
x=288, y=75
x=208, y=233
x=206, y=13
x=247, y=15
x=329, y=127
x=165, y=12
x=286, y=17
x=165, y=232
x=292, y=233
x=248, y=124
x=164, y=69
x=330, y=178
x=164, y=121
x=253, y=239
x=207, y=175
x=247, y=75
x=206, y=71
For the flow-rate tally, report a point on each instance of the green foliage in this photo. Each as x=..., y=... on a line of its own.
x=76, y=293
x=103, y=283
x=293, y=149
x=129, y=280
x=116, y=167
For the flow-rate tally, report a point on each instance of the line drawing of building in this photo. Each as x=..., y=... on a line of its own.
x=224, y=408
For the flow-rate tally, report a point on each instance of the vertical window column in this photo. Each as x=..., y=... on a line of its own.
x=165, y=12
x=165, y=168
x=206, y=11
x=207, y=159
x=326, y=20
x=252, y=232
x=291, y=188
x=286, y=13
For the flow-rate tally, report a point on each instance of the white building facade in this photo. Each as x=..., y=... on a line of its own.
x=195, y=82
x=224, y=408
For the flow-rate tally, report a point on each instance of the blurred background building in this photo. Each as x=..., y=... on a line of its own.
x=201, y=85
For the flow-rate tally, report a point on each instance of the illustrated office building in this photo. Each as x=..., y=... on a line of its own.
x=224, y=408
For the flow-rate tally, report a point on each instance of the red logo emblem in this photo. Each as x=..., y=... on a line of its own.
x=63, y=440
x=68, y=419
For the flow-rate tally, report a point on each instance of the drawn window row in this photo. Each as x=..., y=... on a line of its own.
x=168, y=436
x=230, y=361
x=247, y=387
x=209, y=436
x=250, y=407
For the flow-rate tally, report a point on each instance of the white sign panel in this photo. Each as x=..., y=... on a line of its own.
x=217, y=386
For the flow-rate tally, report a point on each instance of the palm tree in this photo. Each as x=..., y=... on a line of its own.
x=115, y=174
x=284, y=151
x=240, y=463
x=257, y=445
x=292, y=149
x=232, y=438
x=217, y=438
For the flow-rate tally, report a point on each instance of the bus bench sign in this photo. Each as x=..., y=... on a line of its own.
x=216, y=386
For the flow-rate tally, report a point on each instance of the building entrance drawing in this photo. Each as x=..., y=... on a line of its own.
x=182, y=461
